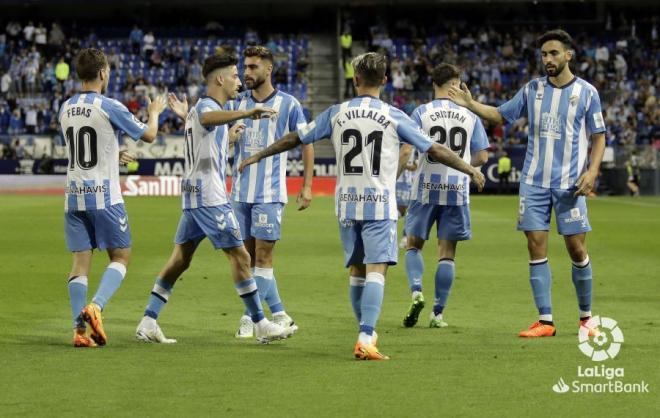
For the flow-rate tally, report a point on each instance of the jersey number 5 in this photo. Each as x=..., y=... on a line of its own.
x=375, y=138
x=82, y=147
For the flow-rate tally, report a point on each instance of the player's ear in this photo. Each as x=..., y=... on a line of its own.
x=356, y=81
x=383, y=81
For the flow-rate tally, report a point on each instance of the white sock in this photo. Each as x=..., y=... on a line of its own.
x=416, y=293
x=261, y=325
x=280, y=313
x=148, y=321
x=364, y=338
x=584, y=314
x=546, y=317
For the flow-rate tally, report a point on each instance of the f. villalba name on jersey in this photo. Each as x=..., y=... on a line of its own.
x=358, y=113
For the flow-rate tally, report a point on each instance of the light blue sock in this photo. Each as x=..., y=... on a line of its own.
x=372, y=299
x=444, y=278
x=78, y=298
x=540, y=278
x=582, y=281
x=247, y=290
x=110, y=282
x=273, y=298
x=356, y=287
x=159, y=296
x=414, y=269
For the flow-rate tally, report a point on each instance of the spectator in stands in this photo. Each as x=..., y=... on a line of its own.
x=148, y=44
x=31, y=120
x=56, y=39
x=40, y=36
x=15, y=123
x=28, y=32
x=13, y=30
x=251, y=37
x=62, y=71
x=5, y=83
x=503, y=173
x=135, y=38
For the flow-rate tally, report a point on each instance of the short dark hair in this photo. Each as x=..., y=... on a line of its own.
x=444, y=72
x=259, y=51
x=555, y=35
x=214, y=62
x=371, y=68
x=89, y=62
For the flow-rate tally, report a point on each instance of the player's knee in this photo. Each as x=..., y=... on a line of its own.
x=263, y=256
x=414, y=242
x=577, y=252
x=357, y=270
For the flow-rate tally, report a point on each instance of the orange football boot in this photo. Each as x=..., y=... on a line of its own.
x=92, y=315
x=81, y=339
x=537, y=329
x=368, y=352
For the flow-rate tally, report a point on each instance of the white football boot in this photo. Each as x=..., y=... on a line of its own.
x=268, y=331
x=245, y=328
x=284, y=320
x=148, y=331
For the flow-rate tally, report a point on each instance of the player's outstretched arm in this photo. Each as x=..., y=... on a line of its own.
x=288, y=141
x=221, y=117
x=443, y=155
x=154, y=109
x=463, y=97
x=587, y=180
x=304, y=198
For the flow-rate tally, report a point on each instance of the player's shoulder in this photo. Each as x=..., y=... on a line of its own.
x=207, y=104
x=586, y=85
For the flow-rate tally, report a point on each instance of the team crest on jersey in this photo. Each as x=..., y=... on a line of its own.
x=550, y=126
x=254, y=139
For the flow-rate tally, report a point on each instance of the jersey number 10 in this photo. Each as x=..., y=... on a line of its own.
x=82, y=147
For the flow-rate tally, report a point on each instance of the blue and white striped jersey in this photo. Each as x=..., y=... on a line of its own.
x=206, y=148
x=92, y=125
x=365, y=133
x=561, y=120
x=264, y=182
x=461, y=131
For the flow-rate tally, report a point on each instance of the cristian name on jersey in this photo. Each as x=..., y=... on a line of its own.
x=92, y=125
x=461, y=131
x=366, y=134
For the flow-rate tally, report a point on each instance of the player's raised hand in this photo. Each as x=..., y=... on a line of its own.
x=261, y=112
x=585, y=183
x=462, y=96
x=478, y=178
x=235, y=132
x=246, y=162
x=157, y=105
x=125, y=157
x=304, y=198
x=180, y=107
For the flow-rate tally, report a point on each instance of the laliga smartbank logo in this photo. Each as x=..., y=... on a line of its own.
x=600, y=339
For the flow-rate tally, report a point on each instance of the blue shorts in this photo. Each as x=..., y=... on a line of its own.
x=97, y=228
x=536, y=203
x=368, y=242
x=260, y=220
x=218, y=223
x=403, y=190
x=452, y=222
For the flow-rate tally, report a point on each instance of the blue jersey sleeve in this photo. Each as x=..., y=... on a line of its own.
x=409, y=131
x=206, y=105
x=296, y=116
x=320, y=128
x=515, y=108
x=122, y=119
x=595, y=123
x=479, y=139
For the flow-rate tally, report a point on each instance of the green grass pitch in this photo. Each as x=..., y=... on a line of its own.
x=476, y=367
